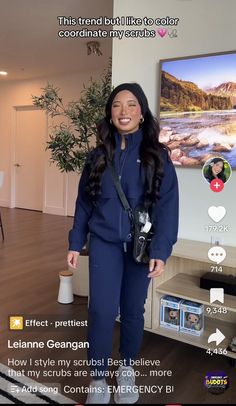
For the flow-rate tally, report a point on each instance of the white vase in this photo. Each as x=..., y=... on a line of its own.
x=65, y=294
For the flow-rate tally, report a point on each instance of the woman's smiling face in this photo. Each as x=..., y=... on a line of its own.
x=217, y=168
x=126, y=112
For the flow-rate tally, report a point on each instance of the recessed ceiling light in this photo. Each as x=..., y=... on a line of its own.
x=3, y=73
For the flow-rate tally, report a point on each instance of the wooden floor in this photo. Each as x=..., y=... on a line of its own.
x=33, y=253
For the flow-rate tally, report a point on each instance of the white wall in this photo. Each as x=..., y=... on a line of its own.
x=205, y=26
x=60, y=189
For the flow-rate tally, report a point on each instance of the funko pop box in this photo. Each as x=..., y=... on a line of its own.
x=170, y=312
x=191, y=317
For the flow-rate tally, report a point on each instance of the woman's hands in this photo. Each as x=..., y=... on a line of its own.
x=156, y=267
x=72, y=258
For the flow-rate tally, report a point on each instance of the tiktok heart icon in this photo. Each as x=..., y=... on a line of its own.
x=216, y=213
x=162, y=32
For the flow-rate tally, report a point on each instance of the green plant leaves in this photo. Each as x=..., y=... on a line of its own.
x=70, y=141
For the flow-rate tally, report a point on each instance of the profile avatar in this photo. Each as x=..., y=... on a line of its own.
x=217, y=168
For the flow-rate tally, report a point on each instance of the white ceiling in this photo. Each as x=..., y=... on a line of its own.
x=29, y=43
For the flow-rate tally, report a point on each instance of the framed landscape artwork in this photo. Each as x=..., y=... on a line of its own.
x=198, y=108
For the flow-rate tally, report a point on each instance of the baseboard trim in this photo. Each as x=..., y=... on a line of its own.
x=4, y=203
x=60, y=211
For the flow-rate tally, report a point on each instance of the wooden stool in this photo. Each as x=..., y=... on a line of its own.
x=65, y=294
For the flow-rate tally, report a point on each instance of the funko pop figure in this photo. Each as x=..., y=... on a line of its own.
x=192, y=321
x=191, y=317
x=170, y=312
x=232, y=345
x=173, y=316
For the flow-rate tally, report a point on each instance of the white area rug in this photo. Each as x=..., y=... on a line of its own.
x=23, y=390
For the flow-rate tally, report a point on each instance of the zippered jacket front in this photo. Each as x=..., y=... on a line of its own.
x=108, y=219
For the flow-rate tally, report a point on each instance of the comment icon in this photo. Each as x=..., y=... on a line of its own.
x=217, y=254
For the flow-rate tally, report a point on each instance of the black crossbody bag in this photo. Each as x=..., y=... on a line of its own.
x=142, y=230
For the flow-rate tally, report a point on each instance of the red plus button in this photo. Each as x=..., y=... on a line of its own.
x=217, y=185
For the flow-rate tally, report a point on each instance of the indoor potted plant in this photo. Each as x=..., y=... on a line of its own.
x=74, y=137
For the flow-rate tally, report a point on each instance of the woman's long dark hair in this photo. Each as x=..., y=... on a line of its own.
x=209, y=174
x=151, y=156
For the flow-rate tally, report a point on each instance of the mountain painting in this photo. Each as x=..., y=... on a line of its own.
x=198, y=108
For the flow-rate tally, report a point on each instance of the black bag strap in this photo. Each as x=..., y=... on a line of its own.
x=120, y=192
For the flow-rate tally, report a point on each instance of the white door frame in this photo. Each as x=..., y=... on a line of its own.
x=13, y=153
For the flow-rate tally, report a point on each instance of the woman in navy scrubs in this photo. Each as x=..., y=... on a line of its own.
x=128, y=138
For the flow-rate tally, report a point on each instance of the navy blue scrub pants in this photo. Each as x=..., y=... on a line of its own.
x=118, y=285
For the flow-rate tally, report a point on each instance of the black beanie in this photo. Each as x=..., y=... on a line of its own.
x=134, y=88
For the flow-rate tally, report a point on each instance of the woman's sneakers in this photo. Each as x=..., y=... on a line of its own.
x=98, y=392
x=127, y=391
